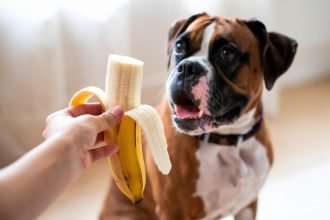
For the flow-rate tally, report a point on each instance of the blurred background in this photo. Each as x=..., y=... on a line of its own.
x=50, y=49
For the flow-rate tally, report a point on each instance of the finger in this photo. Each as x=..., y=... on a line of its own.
x=103, y=152
x=90, y=108
x=44, y=134
x=99, y=138
x=59, y=113
x=108, y=119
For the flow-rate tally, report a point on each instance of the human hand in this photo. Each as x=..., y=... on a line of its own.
x=82, y=127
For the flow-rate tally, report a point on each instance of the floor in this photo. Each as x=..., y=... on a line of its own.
x=298, y=185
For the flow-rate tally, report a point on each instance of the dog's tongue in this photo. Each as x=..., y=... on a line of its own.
x=188, y=112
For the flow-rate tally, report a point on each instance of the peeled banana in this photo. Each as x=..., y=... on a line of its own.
x=123, y=87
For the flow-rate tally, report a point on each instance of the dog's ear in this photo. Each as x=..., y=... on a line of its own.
x=177, y=28
x=174, y=31
x=277, y=51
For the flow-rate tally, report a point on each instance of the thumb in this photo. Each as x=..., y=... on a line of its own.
x=109, y=118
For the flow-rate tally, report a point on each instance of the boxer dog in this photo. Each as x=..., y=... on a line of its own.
x=212, y=113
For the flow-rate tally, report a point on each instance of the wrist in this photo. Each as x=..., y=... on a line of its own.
x=67, y=154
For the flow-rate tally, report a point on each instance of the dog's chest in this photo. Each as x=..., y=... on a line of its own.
x=230, y=177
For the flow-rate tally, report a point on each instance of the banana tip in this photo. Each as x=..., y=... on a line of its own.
x=138, y=201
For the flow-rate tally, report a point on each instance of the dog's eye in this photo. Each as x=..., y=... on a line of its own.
x=227, y=53
x=180, y=47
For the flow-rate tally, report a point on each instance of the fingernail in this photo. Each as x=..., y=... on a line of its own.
x=117, y=111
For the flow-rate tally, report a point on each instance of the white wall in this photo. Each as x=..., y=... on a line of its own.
x=150, y=21
x=306, y=21
x=44, y=62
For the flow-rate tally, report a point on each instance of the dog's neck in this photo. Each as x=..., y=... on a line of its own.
x=232, y=135
x=241, y=126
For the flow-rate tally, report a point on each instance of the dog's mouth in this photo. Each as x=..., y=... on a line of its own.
x=185, y=109
x=190, y=119
x=188, y=111
x=188, y=116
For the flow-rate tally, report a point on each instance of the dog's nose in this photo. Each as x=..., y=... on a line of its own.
x=189, y=67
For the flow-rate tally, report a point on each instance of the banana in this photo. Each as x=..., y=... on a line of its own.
x=123, y=87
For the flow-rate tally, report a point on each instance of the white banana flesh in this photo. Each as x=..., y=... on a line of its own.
x=123, y=87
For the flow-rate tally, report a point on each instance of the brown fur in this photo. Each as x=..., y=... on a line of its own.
x=169, y=197
x=179, y=186
x=250, y=77
x=172, y=196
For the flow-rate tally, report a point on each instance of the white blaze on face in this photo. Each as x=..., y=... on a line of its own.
x=207, y=35
x=201, y=90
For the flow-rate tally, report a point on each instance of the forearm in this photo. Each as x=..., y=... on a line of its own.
x=29, y=185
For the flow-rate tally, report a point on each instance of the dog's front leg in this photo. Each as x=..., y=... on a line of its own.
x=248, y=213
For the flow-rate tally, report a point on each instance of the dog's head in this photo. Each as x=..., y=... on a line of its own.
x=218, y=67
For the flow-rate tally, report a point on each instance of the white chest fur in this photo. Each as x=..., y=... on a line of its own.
x=230, y=177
